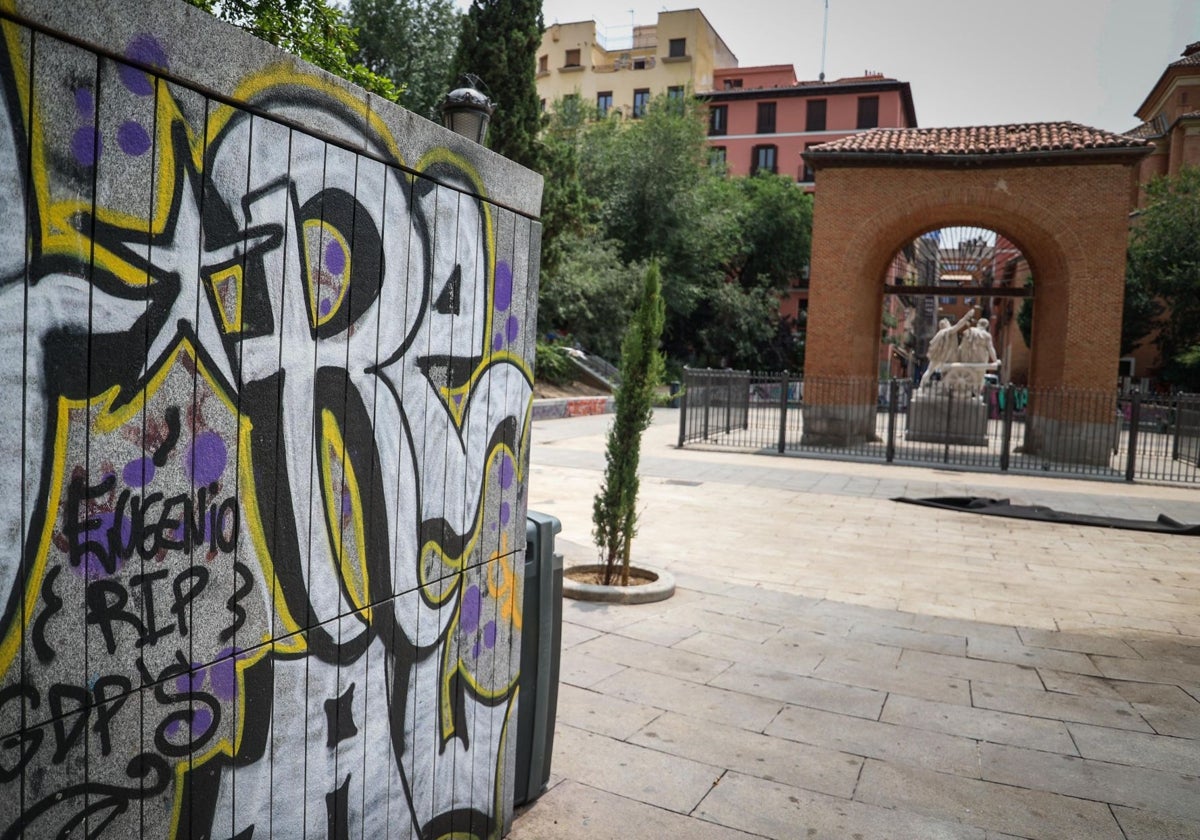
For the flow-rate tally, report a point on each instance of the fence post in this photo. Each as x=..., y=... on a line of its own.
x=893, y=399
x=1135, y=419
x=683, y=409
x=707, y=398
x=728, y=424
x=783, y=410
x=1009, y=395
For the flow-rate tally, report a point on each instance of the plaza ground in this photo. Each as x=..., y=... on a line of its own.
x=837, y=664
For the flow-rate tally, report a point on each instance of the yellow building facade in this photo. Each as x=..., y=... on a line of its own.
x=680, y=51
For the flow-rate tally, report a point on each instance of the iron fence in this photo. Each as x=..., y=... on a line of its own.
x=1075, y=433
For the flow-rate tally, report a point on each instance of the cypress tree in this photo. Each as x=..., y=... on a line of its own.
x=499, y=44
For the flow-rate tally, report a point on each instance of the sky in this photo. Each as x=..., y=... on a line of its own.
x=969, y=62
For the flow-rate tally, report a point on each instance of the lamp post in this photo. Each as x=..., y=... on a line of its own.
x=466, y=111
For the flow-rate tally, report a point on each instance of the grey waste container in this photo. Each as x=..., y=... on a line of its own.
x=541, y=643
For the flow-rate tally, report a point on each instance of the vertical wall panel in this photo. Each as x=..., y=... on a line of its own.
x=262, y=576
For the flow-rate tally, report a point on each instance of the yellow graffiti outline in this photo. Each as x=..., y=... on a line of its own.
x=215, y=279
x=313, y=275
x=357, y=581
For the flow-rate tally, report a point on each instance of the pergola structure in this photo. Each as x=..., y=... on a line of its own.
x=1061, y=192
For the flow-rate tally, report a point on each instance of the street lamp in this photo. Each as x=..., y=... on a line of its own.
x=466, y=111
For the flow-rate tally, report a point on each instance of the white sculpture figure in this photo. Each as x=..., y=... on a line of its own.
x=943, y=347
x=976, y=348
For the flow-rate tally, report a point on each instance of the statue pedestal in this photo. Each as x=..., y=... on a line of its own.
x=946, y=416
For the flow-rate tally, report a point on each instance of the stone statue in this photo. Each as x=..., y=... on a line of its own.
x=943, y=347
x=976, y=347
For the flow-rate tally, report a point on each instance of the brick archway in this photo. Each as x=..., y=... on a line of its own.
x=1061, y=192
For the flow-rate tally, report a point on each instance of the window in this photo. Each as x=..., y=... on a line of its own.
x=677, y=47
x=641, y=101
x=868, y=111
x=766, y=118
x=639, y=64
x=718, y=120
x=733, y=84
x=763, y=159
x=808, y=175
x=544, y=64
x=815, y=116
x=572, y=59
x=603, y=102
x=675, y=92
x=543, y=106
x=716, y=157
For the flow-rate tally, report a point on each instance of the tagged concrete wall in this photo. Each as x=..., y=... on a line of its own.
x=267, y=388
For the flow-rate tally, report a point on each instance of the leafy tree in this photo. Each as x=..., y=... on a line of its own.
x=412, y=43
x=567, y=209
x=776, y=231
x=1025, y=315
x=311, y=29
x=499, y=44
x=614, y=510
x=591, y=295
x=1164, y=262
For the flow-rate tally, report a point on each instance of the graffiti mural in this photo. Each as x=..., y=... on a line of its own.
x=266, y=410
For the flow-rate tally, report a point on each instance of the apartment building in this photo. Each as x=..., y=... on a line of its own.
x=1170, y=118
x=679, y=53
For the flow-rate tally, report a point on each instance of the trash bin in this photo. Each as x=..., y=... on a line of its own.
x=673, y=389
x=541, y=645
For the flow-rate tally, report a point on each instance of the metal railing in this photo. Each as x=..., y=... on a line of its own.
x=1097, y=434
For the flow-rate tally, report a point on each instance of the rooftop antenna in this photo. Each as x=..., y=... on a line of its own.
x=824, y=39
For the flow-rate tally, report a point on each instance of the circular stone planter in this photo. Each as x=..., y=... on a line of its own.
x=659, y=587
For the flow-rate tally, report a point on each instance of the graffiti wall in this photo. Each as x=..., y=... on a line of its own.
x=264, y=418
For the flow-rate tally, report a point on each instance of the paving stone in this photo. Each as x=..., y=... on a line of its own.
x=995, y=807
x=585, y=671
x=784, y=656
x=1100, y=711
x=1080, y=684
x=706, y=702
x=573, y=810
x=1142, y=670
x=966, y=668
x=606, y=617
x=980, y=724
x=602, y=714
x=807, y=641
x=1167, y=708
x=1030, y=656
x=1158, y=752
x=671, y=662
x=910, y=680
x=906, y=637
x=658, y=631
x=773, y=810
x=889, y=741
x=574, y=634
x=725, y=623
x=1163, y=792
x=764, y=681
x=774, y=759
x=650, y=776
x=1168, y=651
x=964, y=627
x=1140, y=825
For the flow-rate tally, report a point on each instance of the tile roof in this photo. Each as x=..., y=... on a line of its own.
x=1191, y=56
x=981, y=140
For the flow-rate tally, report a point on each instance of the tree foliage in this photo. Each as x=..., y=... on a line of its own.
x=499, y=44
x=1164, y=263
x=412, y=43
x=314, y=30
x=614, y=510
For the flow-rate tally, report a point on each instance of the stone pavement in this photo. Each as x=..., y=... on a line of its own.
x=835, y=664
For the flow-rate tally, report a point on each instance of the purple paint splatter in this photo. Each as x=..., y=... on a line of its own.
x=489, y=634
x=504, y=286
x=139, y=472
x=143, y=49
x=207, y=459
x=85, y=103
x=326, y=306
x=85, y=145
x=347, y=502
x=506, y=472
x=498, y=342
x=222, y=675
x=472, y=606
x=505, y=512
x=133, y=139
x=512, y=328
x=90, y=564
x=335, y=257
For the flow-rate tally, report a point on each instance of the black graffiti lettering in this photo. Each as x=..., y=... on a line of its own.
x=201, y=710
x=140, y=531
x=104, y=612
x=228, y=512
x=78, y=494
x=64, y=737
x=167, y=525
x=164, y=450
x=25, y=743
x=106, y=710
x=146, y=583
x=41, y=647
x=245, y=584
x=116, y=546
x=196, y=579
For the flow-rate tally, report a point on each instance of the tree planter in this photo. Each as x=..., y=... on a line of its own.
x=647, y=585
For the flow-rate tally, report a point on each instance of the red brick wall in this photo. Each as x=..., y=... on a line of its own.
x=1069, y=221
